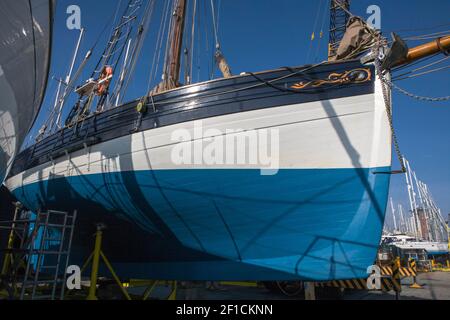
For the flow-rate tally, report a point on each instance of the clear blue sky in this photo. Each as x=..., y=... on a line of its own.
x=262, y=34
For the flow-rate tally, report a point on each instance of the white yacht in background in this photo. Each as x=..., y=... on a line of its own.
x=25, y=41
x=431, y=247
x=403, y=242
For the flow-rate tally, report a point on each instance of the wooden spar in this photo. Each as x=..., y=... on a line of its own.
x=441, y=44
x=177, y=42
x=173, y=63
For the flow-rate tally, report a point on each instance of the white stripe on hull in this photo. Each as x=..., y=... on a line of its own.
x=341, y=133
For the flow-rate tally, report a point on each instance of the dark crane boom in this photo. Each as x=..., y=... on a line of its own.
x=338, y=24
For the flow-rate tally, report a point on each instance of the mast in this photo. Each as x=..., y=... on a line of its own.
x=393, y=215
x=68, y=78
x=177, y=42
x=338, y=24
x=402, y=218
x=412, y=201
x=425, y=214
x=172, y=64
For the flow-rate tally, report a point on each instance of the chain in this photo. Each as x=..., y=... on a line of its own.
x=387, y=102
x=412, y=95
x=385, y=84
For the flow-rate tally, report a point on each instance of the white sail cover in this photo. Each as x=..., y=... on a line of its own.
x=25, y=41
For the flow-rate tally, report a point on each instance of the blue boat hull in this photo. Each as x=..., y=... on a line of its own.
x=317, y=224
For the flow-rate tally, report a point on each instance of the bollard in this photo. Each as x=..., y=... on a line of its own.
x=396, y=277
x=413, y=266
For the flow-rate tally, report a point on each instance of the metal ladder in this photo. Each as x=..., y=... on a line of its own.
x=43, y=245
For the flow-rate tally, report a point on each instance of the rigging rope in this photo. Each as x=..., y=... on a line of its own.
x=319, y=43
x=158, y=47
x=421, y=29
x=199, y=38
x=427, y=36
x=120, y=50
x=215, y=25
x=217, y=57
x=142, y=34
x=219, y=5
x=113, y=51
x=207, y=43
x=61, y=100
x=392, y=85
x=215, y=20
x=426, y=66
x=169, y=39
x=109, y=41
x=313, y=35
x=191, y=50
x=422, y=73
x=395, y=69
x=421, y=68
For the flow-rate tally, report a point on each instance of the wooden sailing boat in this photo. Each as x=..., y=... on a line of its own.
x=175, y=210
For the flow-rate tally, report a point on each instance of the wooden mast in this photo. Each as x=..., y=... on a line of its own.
x=172, y=65
x=177, y=43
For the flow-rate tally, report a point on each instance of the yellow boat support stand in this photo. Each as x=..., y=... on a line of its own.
x=98, y=254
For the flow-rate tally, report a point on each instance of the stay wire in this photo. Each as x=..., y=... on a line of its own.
x=422, y=73
x=142, y=34
x=427, y=36
x=158, y=46
x=319, y=42
x=316, y=20
x=111, y=35
x=422, y=67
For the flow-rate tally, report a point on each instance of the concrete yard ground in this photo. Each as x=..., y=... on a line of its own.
x=435, y=286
